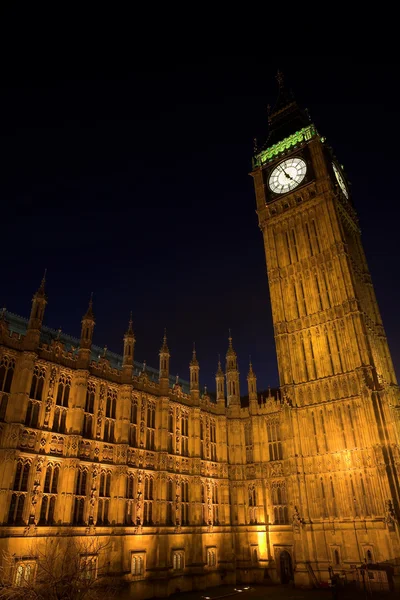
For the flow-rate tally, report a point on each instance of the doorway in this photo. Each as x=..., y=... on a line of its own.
x=286, y=567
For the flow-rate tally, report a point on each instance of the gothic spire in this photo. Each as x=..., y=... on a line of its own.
x=89, y=315
x=194, y=362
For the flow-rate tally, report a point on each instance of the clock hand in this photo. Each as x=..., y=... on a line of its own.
x=284, y=172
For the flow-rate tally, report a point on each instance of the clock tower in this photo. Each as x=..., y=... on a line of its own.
x=334, y=362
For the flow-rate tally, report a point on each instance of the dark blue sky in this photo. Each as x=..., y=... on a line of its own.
x=132, y=181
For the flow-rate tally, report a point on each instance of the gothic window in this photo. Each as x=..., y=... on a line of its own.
x=51, y=479
x=213, y=440
x=32, y=414
x=109, y=426
x=7, y=366
x=24, y=573
x=314, y=227
x=323, y=429
x=21, y=476
x=211, y=557
x=354, y=498
x=185, y=435
x=105, y=484
x=102, y=511
x=248, y=440
x=90, y=396
x=47, y=510
x=178, y=560
x=309, y=239
x=324, y=508
x=170, y=498
x=133, y=438
x=39, y=374
x=111, y=404
x=252, y=504
x=134, y=412
x=138, y=564
x=60, y=417
x=79, y=511
x=368, y=557
x=184, y=503
x=342, y=429
x=203, y=503
x=88, y=425
x=130, y=509
x=64, y=386
x=366, y=507
x=80, y=488
x=215, y=503
x=148, y=501
x=274, y=440
x=279, y=501
x=88, y=570
x=151, y=423
x=3, y=407
x=15, y=514
x=336, y=557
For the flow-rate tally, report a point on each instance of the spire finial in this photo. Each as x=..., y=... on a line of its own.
x=105, y=351
x=230, y=338
x=41, y=291
x=58, y=333
x=144, y=367
x=89, y=313
x=130, y=325
x=164, y=347
x=280, y=79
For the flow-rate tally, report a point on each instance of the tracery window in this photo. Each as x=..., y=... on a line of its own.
x=248, y=440
x=151, y=424
x=138, y=564
x=185, y=435
x=170, y=499
x=32, y=414
x=171, y=431
x=7, y=366
x=111, y=404
x=215, y=503
x=203, y=503
x=50, y=490
x=109, y=429
x=24, y=573
x=104, y=498
x=213, y=440
x=133, y=437
x=47, y=510
x=130, y=506
x=252, y=504
x=274, y=440
x=80, y=496
x=279, y=501
x=88, y=416
x=148, y=501
x=88, y=570
x=178, y=560
x=184, y=503
x=20, y=487
x=39, y=374
x=59, y=420
x=64, y=387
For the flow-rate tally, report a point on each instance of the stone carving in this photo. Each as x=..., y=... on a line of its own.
x=390, y=515
x=50, y=395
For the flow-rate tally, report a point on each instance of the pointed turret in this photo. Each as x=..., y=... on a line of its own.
x=232, y=375
x=164, y=366
x=252, y=387
x=194, y=377
x=39, y=302
x=87, y=329
x=129, y=348
x=219, y=381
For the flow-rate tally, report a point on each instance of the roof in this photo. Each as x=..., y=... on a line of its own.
x=19, y=325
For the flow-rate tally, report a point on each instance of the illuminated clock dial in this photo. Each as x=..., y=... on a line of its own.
x=287, y=175
x=340, y=180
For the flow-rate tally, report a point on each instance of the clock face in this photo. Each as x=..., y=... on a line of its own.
x=340, y=180
x=287, y=175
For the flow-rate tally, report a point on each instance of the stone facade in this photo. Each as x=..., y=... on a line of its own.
x=195, y=491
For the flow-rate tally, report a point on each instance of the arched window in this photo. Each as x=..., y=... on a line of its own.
x=15, y=513
x=90, y=396
x=21, y=476
x=64, y=386
x=134, y=412
x=368, y=557
x=80, y=489
x=39, y=374
x=7, y=366
x=336, y=557
x=79, y=509
x=51, y=479
x=32, y=414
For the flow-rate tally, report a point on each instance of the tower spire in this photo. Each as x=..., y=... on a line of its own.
x=87, y=329
x=194, y=377
x=129, y=347
x=232, y=374
x=164, y=365
x=252, y=387
x=219, y=381
x=39, y=302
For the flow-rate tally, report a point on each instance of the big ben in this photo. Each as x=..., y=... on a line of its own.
x=334, y=362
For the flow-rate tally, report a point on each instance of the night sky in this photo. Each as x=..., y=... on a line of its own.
x=131, y=181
